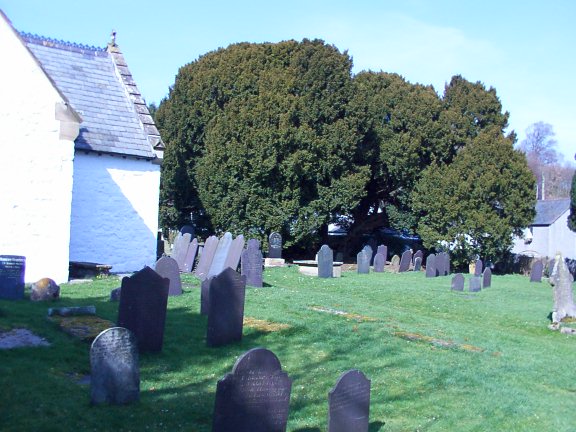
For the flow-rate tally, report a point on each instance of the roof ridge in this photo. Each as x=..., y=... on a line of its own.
x=61, y=44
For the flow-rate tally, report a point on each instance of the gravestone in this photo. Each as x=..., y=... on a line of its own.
x=417, y=254
x=405, y=261
x=226, y=295
x=418, y=264
x=167, y=267
x=206, y=257
x=235, y=253
x=475, y=284
x=383, y=249
x=536, y=271
x=349, y=403
x=251, y=264
x=180, y=250
x=562, y=281
x=12, y=270
x=431, y=266
x=255, y=397
x=379, y=263
x=325, y=262
x=205, y=295
x=487, y=278
x=478, y=267
x=458, y=282
x=395, y=263
x=440, y=263
x=219, y=260
x=339, y=257
x=188, y=229
x=142, y=308
x=368, y=249
x=363, y=261
x=275, y=245
x=114, y=368
x=190, y=256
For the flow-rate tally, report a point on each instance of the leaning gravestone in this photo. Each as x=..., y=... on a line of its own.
x=255, y=397
x=458, y=282
x=12, y=270
x=219, y=260
x=379, y=263
x=487, y=278
x=251, y=264
x=168, y=267
x=418, y=264
x=349, y=403
x=431, y=266
x=114, y=369
x=405, y=261
x=142, y=308
x=383, y=249
x=478, y=267
x=180, y=250
x=275, y=245
x=363, y=261
x=475, y=284
x=417, y=254
x=206, y=258
x=536, y=272
x=234, y=253
x=325, y=262
x=226, y=295
x=190, y=256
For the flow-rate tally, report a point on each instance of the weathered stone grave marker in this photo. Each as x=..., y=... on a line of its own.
x=417, y=254
x=235, y=252
x=487, y=278
x=405, y=261
x=275, y=245
x=458, y=282
x=349, y=403
x=478, y=267
x=167, y=267
x=395, y=263
x=562, y=281
x=251, y=264
x=383, y=249
x=12, y=271
x=190, y=256
x=370, y=251
x=255, y=397
x=379, y=263
x=418, y=264
x=475, y=284
x=220, y=255
x=325, y=262
x=206, y=257
x=181, y=244
x=363, y=261
x=536, y=271
x=431, y=266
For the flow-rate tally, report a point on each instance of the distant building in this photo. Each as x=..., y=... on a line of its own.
x=80, y=166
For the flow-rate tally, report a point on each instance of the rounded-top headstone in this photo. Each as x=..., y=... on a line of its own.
x=275, y=245
x=349, y=403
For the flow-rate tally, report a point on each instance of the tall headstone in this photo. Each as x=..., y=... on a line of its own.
x=12, y=270
x=325, y=262
x=418, y=264
x=180, y=250
x=363, y=261
x=383, y=249
x=225, y=308
x=536, y=272
x=487, y=278
x=219, y=260
x=379, y=263
x=562, y=281
x=478, y=267
x=417, y=254
x=431, y=266
x=440, y=262
x=475, y=284
x=235, y=253
x=369, y=250
x=275, y=245
x=206, y=258
x=142, y=308
x=255, y=397
x=168, y=267
x=114, y=368
x=349, y=403
x=458, y=282
x=251, y=264
x=405, y=261
x=190, y=256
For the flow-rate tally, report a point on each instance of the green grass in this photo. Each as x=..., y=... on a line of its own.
x=438, y=360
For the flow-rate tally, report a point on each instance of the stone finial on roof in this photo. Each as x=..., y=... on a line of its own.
x=113, y=38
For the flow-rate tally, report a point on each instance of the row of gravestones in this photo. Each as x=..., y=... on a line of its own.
x=254, y=397
x=475, y=282
x=437, y=265
x=537, y=269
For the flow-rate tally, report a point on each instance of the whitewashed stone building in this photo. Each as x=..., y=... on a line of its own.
x=80, y=165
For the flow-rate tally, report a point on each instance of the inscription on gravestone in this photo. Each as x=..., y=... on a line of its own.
x=418, y=264
x=536, y=272
x=458, y=282
x=349, y=403
x=431, y=266
x=12, y=270
x=363, y=261
x=115, y=373
x=405, y=261
x=379, y=263
x=234, y=253
x=487, y=278
x=205, y=260
x=255, y=397
x=220, y=255
x=475, y=284
x=251, y=264
x=167, y=267
x=275, y=245
x=190, y=256
x=325, y=262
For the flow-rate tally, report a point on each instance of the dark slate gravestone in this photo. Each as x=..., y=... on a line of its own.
x=206, y=258
x=225, y=308
x=190, y=256
x=114, y=369
x=379, y=263
x=417, y=254
x=251, y=264
x=275, y=245
x=487, y=278
x=475, y=284
x=255, y=397
x=383, y=249
x=418, y=264
x=405, y=261
x=220, y=255
x=168, y=267
x=431, y=266
x=325, y=262
x=363, y=261
x=349, y=403
x=205, y=295
x=142, y=308
x=439, y=262
x=235, y=252
x=12, y=270
x=458, y=282
x=536, y=271
x=478, y=267
x=180, y=250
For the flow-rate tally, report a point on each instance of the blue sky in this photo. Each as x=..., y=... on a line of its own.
x=525, y=49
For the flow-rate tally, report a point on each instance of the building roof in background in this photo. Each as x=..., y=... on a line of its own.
x=547, y=212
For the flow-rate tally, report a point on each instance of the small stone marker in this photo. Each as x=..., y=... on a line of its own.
x=275, y=245
x=405, y=261
x=167, y=267
x=226, y=295
x=219, y=260
x=417, y=254
x=12, y=270
x=431, y=266
x=475, y=284
x=349, y=403
x=190, y=256
x=383, y=249
x=251, y=264
x=536, y=271
x=487, y=278
x=234, y=253
x=180, y=250
x=363, y=261
x=418, y=264
x=44, y=289
x=255, y=397
x=115, y=373
x=379, y=263
x=206, y=258
x=325, y=262
x=478, y=267
x=458, y=282
x=142, y=308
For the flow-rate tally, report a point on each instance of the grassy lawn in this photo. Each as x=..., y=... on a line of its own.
x=438, y=360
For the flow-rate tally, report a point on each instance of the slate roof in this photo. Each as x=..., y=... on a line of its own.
x=547, y=212
x=99, y=87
